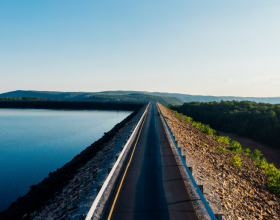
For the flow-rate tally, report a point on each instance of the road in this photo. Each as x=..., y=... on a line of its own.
x=151, y=186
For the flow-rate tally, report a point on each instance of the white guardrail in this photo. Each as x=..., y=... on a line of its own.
x=109, y=177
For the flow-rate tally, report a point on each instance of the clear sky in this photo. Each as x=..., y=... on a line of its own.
x=215, y=47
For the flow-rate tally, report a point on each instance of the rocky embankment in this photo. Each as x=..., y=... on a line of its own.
x=235, y=192
x=69, y=192
x=76, y=198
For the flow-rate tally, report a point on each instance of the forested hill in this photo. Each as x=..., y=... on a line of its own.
x=137, y=97
x=46, y=94
x=182, y=97
x=259, y=121
x=77, y=96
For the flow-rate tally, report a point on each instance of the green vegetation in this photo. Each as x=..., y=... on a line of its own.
x=181, y=97
x=102, y=96
x=259, y=121
x=188, y=119
x=273, y=174
x=222, y=139
x=220, y=148
x=27, y=98
x=235, y=147
x=135, y=97
x=256, y=156
x=204, y=128
x=237, y=161
x=247, y=152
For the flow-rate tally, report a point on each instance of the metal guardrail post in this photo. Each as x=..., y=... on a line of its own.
x=201, y=188
x=98, y=187
x=219, y=216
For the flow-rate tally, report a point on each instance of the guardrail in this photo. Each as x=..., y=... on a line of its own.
x=205, y=203
x=109, y=177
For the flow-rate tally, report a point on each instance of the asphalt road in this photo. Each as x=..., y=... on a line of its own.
x=152, y=187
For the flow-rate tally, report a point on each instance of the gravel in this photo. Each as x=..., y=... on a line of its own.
x=77, y=197
x=235, y=192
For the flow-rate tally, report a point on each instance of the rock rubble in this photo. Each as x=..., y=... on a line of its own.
x=77, y=196
x=235, y=192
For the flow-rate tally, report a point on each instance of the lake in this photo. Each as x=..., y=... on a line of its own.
x=34, y=142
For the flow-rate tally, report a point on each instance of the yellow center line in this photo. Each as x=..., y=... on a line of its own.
x=112, y=208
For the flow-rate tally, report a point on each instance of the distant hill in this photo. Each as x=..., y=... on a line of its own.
x=46, y=94
x=110, y=96
x=201, y=98
x=176, y=97
x=136, y=97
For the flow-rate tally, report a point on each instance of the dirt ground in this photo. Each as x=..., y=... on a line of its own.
x=271, y=154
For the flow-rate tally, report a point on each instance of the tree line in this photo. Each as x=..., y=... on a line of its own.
x=260, y=121
x=28, y=98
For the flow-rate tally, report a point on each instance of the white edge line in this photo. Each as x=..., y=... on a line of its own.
x=106, y=182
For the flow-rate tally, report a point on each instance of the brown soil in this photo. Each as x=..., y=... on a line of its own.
x=236, y=192
x=271, y=154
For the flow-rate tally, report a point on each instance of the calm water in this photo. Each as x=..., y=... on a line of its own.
x=36, y=142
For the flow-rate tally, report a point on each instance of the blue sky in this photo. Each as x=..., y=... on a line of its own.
x=202, y=47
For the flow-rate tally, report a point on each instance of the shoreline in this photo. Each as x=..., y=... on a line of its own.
x=40, y=194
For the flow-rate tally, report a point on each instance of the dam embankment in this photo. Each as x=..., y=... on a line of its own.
x=68, y=187
x=237, y=192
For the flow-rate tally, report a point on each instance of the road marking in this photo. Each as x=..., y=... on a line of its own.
x=112, y=208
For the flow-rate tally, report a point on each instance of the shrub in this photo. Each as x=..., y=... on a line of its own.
x=220, y=148
x=222, y=139
x=215, y=151
x=256, y=156
x=237, y=161
x=235, y=147
x=247, y=152
x=204, y=128
x=262, y=163
x=188, y=119
x=273, y=182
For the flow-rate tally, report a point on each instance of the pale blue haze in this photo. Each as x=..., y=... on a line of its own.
x=203, y=47
x=36, y=142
